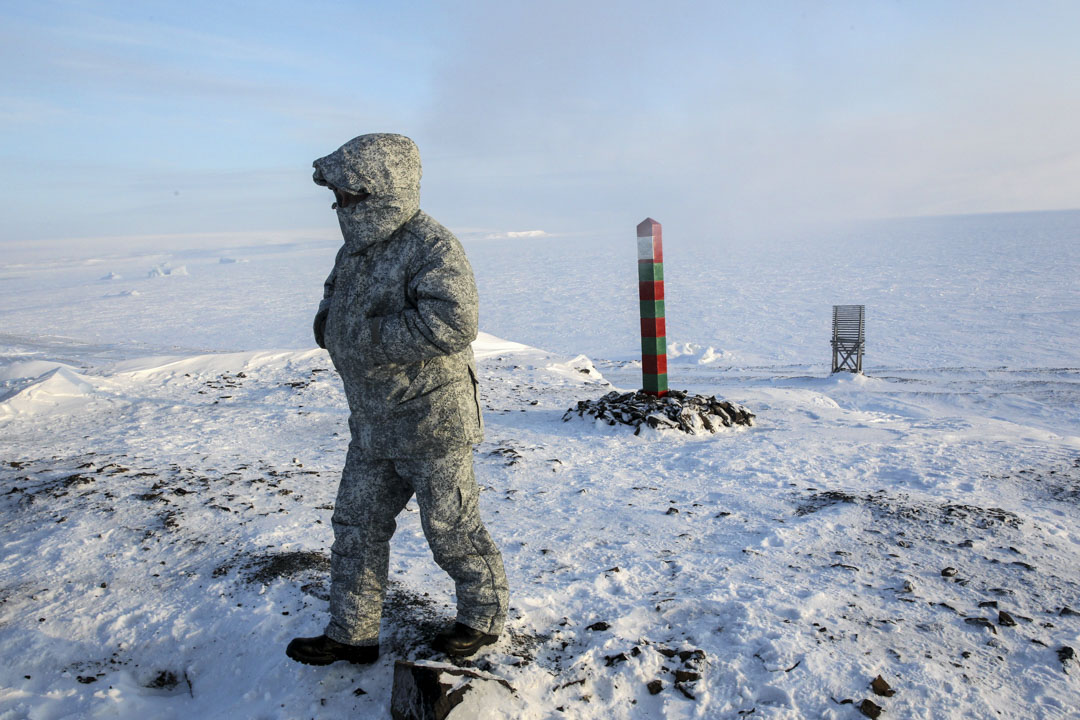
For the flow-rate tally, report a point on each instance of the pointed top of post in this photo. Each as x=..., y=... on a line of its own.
x=647, y=227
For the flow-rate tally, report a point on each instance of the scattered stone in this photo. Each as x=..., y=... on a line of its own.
x=271, y=566
x=87, y=679
x=1066, y=654
x=316, y=590
x=598, y=626
x=431, y=692
x=685, y=691
x=165, y=680
x=610, y=660
x=672, y=511
x=1005, y=619
x=1067, y=611
x=870, y=709
x=509, y=454
x=880, y=687
x=981, y=622
x=655, y=686
x=359, y=691
x=689, y=655
x=684, y=676
x=678, y=410
x=949, y=572
x=988, y=604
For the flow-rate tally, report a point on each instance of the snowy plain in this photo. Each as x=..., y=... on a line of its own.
x=170, y=441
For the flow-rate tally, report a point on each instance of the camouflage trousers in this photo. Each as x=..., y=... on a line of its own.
x=371, y=494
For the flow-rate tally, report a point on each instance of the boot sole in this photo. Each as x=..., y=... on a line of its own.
x=313, y=661
x=323, y=660
x=466, y=652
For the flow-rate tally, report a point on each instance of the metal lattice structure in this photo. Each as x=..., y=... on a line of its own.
x=848, y=337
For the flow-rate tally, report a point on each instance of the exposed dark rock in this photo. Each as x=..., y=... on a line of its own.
x=431, y=692
x=880, y=687
x=165, y=680
x=900, y=507
x=610, y=660
x=267, y=568
x=824, y=499
x=981, y=622
x=1005, y=619
x=870, y=709
x=655, y=686
x=1066, y=654
x=696, y=655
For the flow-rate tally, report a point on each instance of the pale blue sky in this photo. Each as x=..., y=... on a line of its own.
x=720, y=119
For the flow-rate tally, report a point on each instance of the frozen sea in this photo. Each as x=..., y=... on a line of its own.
x=170, y=439
x=968, y=291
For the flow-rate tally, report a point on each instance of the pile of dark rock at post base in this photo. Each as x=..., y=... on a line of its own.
x=677, y=410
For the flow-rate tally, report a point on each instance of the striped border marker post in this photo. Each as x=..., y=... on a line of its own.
x=651, y=296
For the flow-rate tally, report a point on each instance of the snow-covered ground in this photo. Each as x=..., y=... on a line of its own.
x=167, y=481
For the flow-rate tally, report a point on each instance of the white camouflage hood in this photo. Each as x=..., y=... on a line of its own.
x=376, y=182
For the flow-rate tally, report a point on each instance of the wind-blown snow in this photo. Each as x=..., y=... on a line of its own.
x=165, y=511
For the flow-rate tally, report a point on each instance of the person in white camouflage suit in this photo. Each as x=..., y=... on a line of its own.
x=398, y=317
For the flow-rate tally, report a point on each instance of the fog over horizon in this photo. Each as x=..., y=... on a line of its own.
x=731, y=122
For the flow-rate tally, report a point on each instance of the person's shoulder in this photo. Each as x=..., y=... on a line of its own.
x=430, y=233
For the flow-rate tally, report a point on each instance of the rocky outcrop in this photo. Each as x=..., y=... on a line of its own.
x=431, y=692
x=677, y=410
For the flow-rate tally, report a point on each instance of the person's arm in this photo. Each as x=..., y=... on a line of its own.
x=328, y=285
x=445, y=317
x=319, y=326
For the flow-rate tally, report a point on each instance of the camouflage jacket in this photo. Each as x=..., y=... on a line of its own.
x=402, y=317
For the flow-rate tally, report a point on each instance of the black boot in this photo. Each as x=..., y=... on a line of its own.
x=461, y=640
x=323, y=651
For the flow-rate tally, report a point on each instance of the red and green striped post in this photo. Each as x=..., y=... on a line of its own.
x=651, y=296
